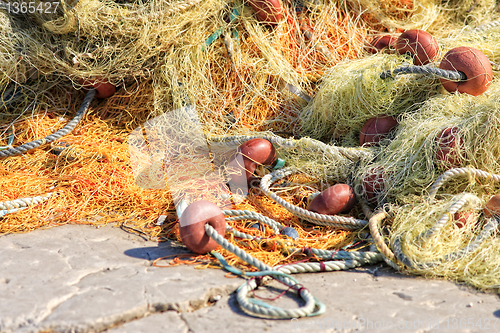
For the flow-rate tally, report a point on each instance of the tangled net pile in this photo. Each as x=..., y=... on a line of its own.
x=307, y=83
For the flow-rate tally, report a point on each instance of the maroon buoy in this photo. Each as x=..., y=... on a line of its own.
x=448, y=143
x=192, y=226
x=103, y=88
x=268, y=11
x=339, y=198
x=375, y=129
x=493, y=206
x=420, y=44
x=465, y=218
x=254, y=152
x=374, y=183
x=381, y=43
x=474, y=64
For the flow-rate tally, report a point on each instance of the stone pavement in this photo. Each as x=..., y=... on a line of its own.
x=83, y=279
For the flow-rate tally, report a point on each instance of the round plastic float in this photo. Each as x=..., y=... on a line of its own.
x=339, y=198
x=103, y=88
x=375, y=129
x=374, y=183
x=493, y=206
x=381, y=43
x=254, y=152
x=420, y=44
x=268, y=11
x=446, y=153
x=474, y=64
x=192, y=226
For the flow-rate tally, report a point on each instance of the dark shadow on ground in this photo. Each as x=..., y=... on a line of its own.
x=167, y=248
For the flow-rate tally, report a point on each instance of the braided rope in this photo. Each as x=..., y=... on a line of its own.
x=374, y=224
x=324, y=254
x=54, y=136
x=24, y=202
x=488, y=230
x=459, y=202
x=328, y=266
x=10, y=211
x=452, y=173
x=306, y=143
x=427, y=71
x=487, y=26
x=319, y=219
x=243, y=290
x=339, y=255
x=247, y=214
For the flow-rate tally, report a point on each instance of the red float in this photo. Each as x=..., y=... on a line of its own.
x=493, y=206
x=465, y=218
x=474, y=64
x=192, y=226
x=339, y=198
x=420, y=44
x=376, y=129
x=254, y=152
x=381, y=43
x=448, y=145
x=103, y=88
x=268, y=11
x=374, y=183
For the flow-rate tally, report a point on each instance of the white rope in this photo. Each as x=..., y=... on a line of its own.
x=262, y=309
x=460, y=201
x=24, y=202
x=305, y=143
x=452, y=173
x=319, y=219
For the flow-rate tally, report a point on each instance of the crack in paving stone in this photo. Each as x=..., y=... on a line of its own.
x=194, y=304
x=106, y=323
x=184, y=319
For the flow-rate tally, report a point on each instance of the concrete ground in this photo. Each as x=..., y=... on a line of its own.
x=83, y=279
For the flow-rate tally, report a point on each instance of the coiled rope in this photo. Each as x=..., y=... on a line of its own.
x=319, y=219
x=427, y=71
x=308, y=309
x=374, y=224
x=54, y=136
x=255, y=307
x=250, y=215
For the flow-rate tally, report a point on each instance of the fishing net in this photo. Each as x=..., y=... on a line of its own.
x=445, y=254
x=353, y=92
x=309, y=76
x=410, y=162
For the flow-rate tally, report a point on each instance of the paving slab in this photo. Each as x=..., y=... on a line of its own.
x=83, y=279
